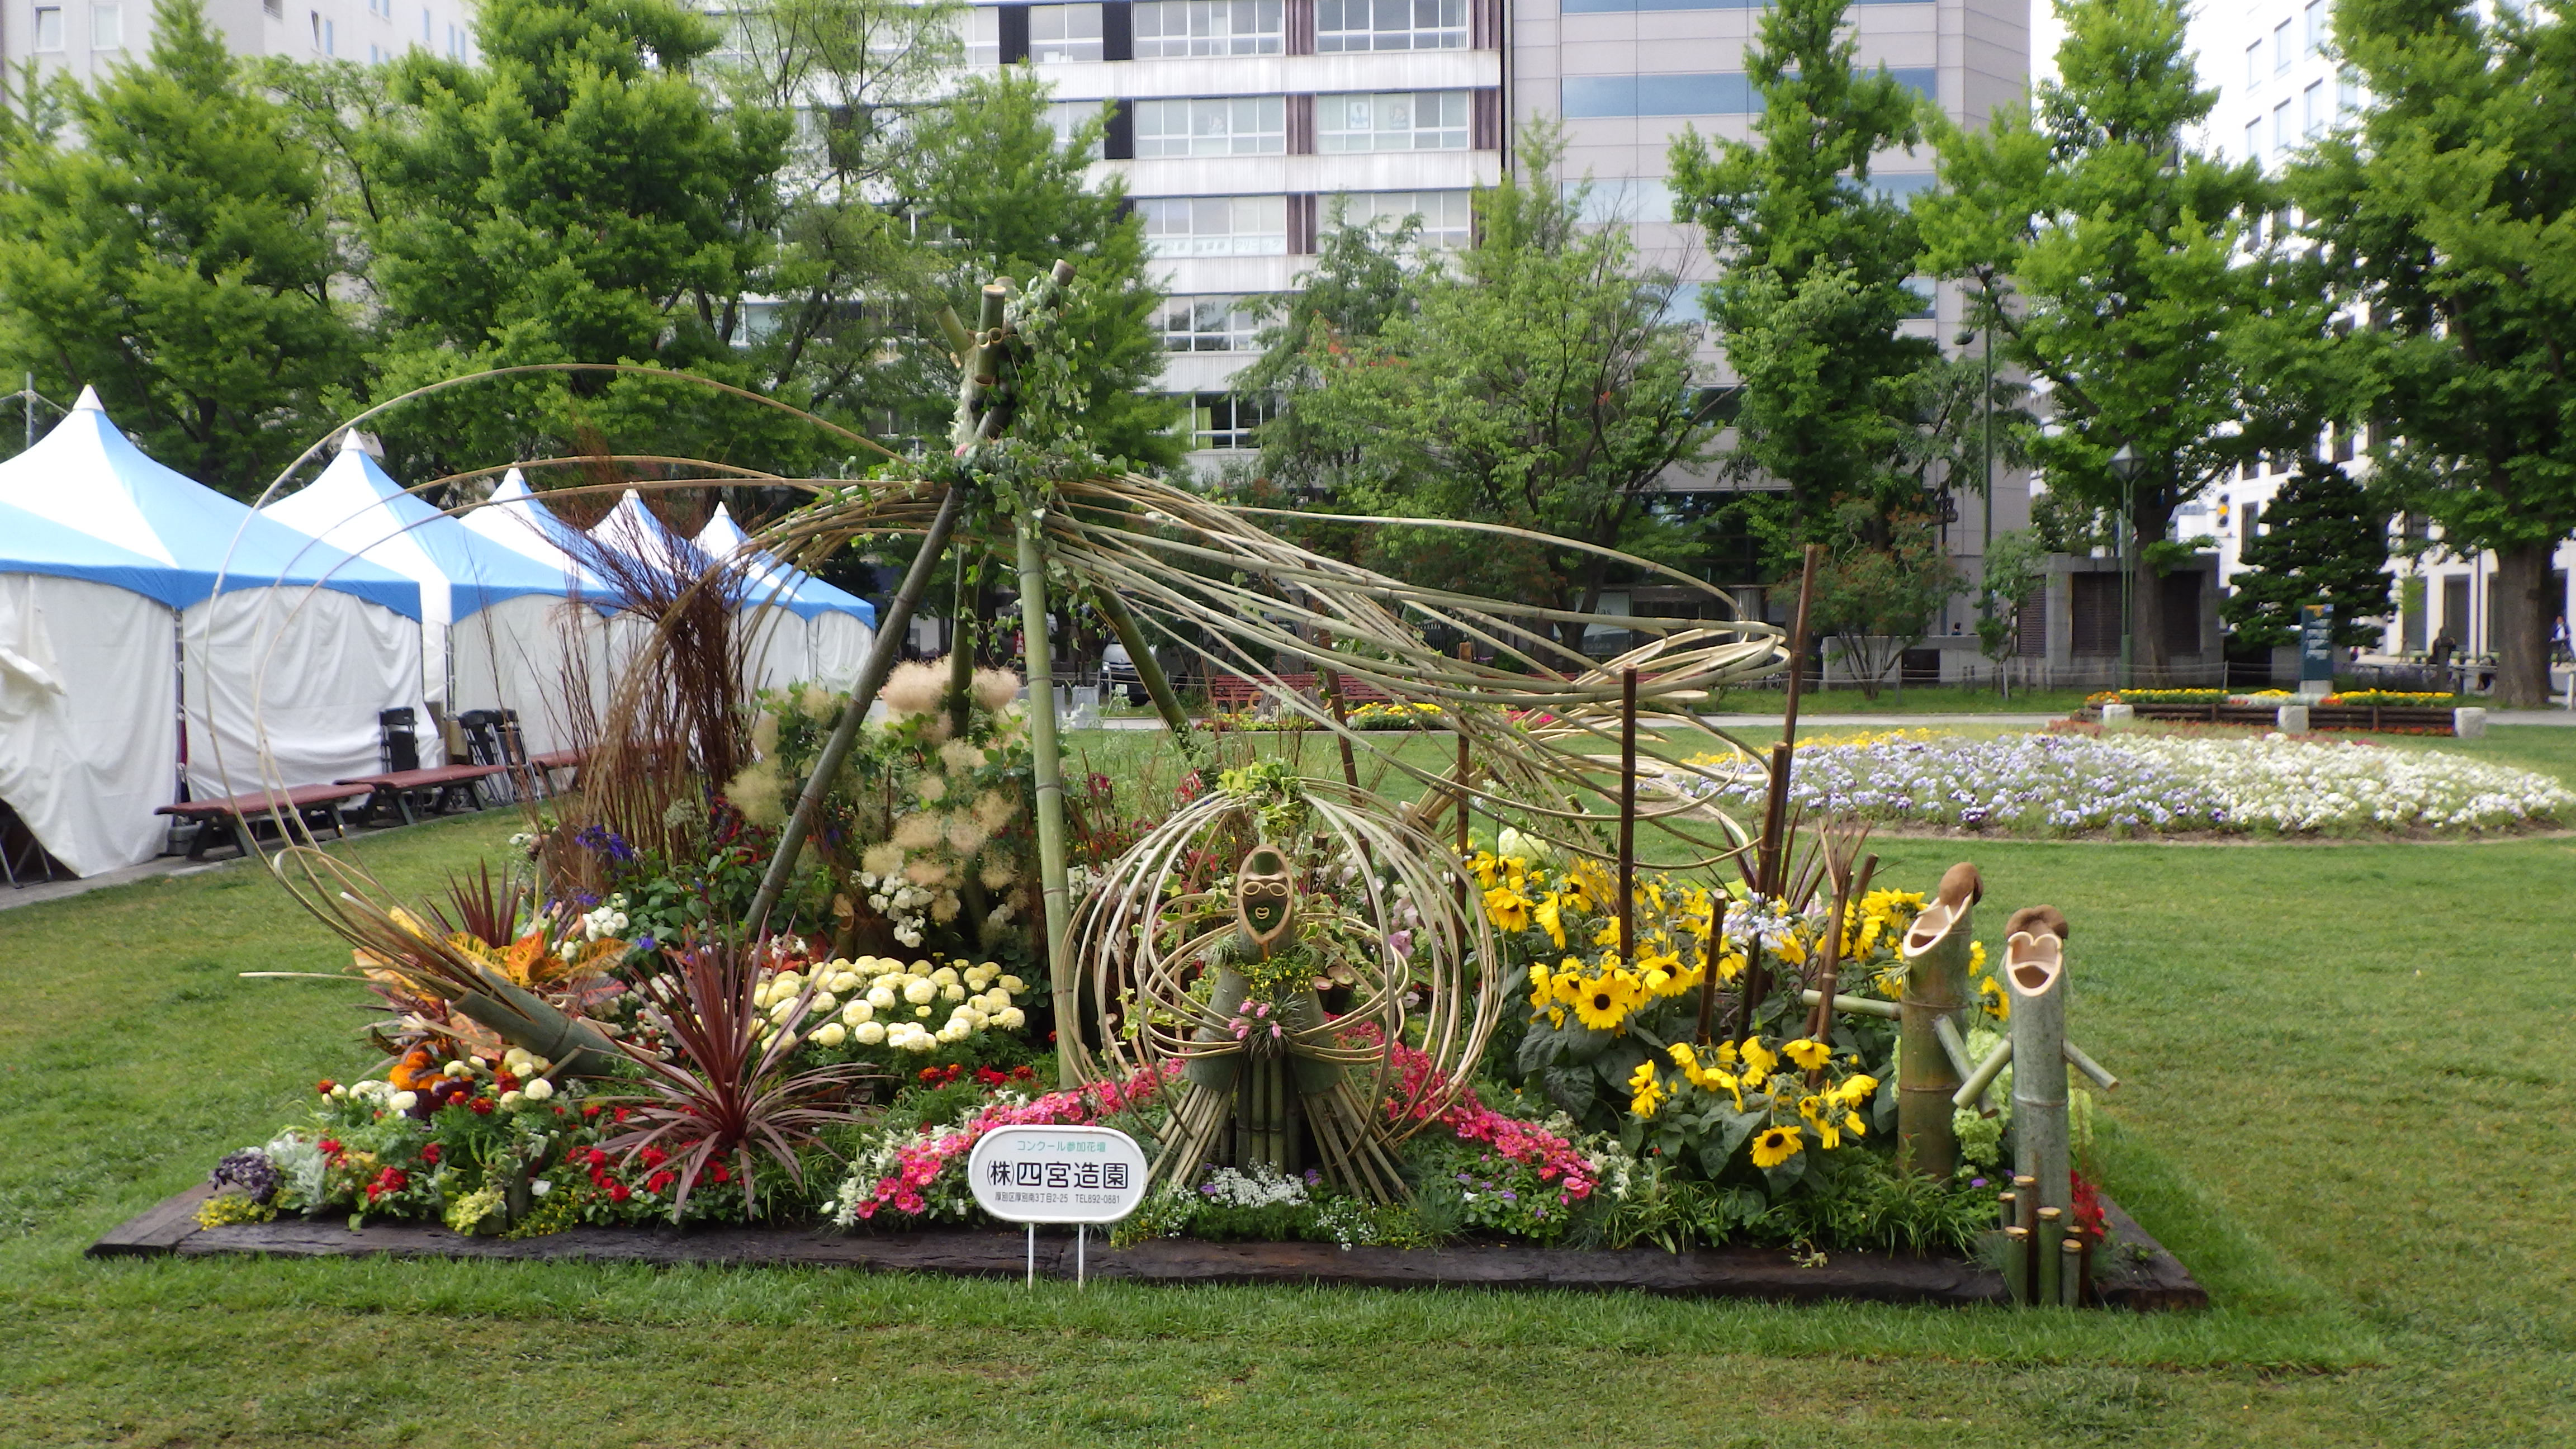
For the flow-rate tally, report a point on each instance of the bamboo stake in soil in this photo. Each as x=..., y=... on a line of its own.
x=1775, y=807
x=1935, y=952
x=2017, y=1264
x=2035, y=974
x=2072, y=1255
x=2049, y=1245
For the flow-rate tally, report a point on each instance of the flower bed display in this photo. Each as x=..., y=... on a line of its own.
x=2051, y=784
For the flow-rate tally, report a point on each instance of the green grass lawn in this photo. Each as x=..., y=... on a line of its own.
x=2347, y=1107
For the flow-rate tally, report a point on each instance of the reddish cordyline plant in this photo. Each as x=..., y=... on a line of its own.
x=724, y=1093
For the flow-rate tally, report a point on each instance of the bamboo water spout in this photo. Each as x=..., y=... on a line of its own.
x=2035, y=974
x=1935, y=953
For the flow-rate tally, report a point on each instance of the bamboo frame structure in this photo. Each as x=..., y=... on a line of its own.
x=2035, y=974
x=1935, y=953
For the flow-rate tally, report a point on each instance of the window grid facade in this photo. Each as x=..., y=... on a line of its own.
x=1180, y=28
x=1216, y=226
x=1221, y=126
x=1348, y=25
x=1209, y=324
x=1392, y=121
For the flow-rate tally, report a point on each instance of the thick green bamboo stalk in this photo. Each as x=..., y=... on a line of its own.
x=2046, y=1290
x=1048, y=760
x=1158, y=687
x=2035, y=974
x=1936, y=990
x=1984, y=1076
x=1857, y=1005
x=2017, y=1264
x=2070, y=1277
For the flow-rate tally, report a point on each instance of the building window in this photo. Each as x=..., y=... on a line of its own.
x=424, y=25
x=1448, y=217
x=1710, y=93
x=49, y=27
x=1209, y=27
x=455, y=43
x=1067, y=118
x=2312, y=109
x=275, y=8
x=1222, y=421
x=1216, y=226
x=1209, y=324
x=2281, y=126
x=1061, y=33
x=2254, y=153
x=2316, y=16
x=2281, y=48
x=1342, y=25
x=2249, y=522
x=1927, y=296
x=2254, y=63
x=106, y=27
x=1228, y=126
x=1620, y=199
x=984, y=35
x=1392, y=121
x=2347, y=93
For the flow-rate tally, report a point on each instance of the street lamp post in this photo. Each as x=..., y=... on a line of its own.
x=2126, y=465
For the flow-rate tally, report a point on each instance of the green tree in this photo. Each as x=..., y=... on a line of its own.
x=178, y=258
x=1882, y=587
x=1535, y=381
x=579, y=196
x=1360, y=281
x=987, y=181
x=848, y=285
x=2445, y=212
x=2015, y=570
x=2324, y=541
x=1812, y=294
x=2112, y=262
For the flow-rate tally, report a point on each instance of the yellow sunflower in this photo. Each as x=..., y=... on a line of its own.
x=1542, y=988
x=1758, y=1061
x=1603, y=1001
x=1509, y=909
x=1998, y=1005
x=1645, y=1094
x=1810, y=1054
x=1775, y=1145
x=1548, y=916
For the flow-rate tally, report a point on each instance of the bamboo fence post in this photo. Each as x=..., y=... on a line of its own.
x=2004, y=1202
x=1821, y=1024
x=2026, y=1226
x=1047, y=759
x=2072, y=1255
x=1935, y=953
x=2017, y=1264
x=2046, y=1289
x=2035, y=974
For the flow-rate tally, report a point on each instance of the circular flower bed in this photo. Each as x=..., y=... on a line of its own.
x=2066, y=784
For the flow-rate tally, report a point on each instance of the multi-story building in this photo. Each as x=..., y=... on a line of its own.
x=86, y=37
x=2279, y=89
x=1240, y=125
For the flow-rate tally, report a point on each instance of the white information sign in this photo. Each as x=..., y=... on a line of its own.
x=1057, y=1174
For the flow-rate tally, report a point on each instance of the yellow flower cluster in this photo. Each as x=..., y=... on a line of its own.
x=1833, y=1111
x=1601, y=980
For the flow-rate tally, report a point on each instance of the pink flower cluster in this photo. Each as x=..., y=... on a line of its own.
x=918, y=1164
x=1420, y=1084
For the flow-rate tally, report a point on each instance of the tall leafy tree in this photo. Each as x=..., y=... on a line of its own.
x=1535, y=380
x=1812, y=292
x=2118, y=269
x=997, y=194
x=2445, y=211
x=1358, y=283
x=178, y=257
x=2323, y=542
x=578, y=196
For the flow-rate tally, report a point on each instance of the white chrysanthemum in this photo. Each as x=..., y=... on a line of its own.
x=830, y=1034
x=868, y=1033
x=920, y=990
x=880, y=997
x=1010, y=1018
x=858, y=1011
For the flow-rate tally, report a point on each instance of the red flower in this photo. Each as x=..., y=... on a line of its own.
x=590, y=1111
x=598, y=1158
x=720, y=1173
x=324, y=1086
x=990, y=1077
x=652, y=1157
x=482, y=1106
x=621, y=1114
x=503, y=1081
x=330, y=1146
x=429, y=1154
x=660, y=1181
x=619, y=1192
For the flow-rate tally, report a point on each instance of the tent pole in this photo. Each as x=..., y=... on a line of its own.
x=854, y=705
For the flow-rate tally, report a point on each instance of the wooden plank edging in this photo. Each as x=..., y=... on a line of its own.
x=2147, y=1280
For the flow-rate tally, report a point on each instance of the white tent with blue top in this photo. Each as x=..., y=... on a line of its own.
x=287, y=648
x=839, y=626
x=496, y=622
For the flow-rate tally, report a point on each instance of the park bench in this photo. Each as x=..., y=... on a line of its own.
x=236, y=812
x=543, y=767
x=449, y=787
x=1230, y=692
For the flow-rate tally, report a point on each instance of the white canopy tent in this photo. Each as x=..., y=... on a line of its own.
x=776, y=644
x=89, y=702
x=839, y=626
x=496, y=622
x=590, y=641
x=287, y=648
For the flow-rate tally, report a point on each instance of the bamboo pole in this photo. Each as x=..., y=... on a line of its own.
x=2004, y=1203
x=1158, y=686
x=2076, y=1058
x=1858, y=1005
x=1332, y=681
x=1935, y=952
x=1775, y=806
x=1984, y=1076
x=2052, y=1258
x=891, y=630
x=2034, y=972
x=1627, y=815
x=2071, y=1254
x=2017, y=1264
x=1048, y=766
